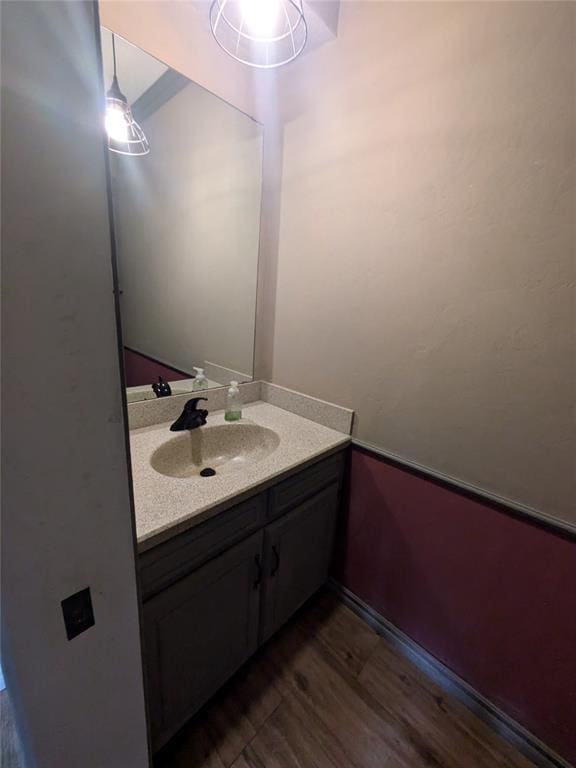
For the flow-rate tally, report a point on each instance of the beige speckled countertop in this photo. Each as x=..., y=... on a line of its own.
x=166, y=506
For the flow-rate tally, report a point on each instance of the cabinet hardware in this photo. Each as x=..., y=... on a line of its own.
x=258, y=579
x=276, y=565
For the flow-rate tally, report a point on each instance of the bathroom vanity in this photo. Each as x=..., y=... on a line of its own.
x=223, y=576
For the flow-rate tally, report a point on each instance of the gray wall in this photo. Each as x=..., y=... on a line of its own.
x=66, y=517
x=188, y=221
x=426, y=255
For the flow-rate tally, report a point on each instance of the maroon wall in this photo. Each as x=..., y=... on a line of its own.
x=140, y=369
x=491, y=595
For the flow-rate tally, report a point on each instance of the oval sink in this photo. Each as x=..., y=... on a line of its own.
x=223, y=448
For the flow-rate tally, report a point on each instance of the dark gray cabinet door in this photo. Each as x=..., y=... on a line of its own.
x=297, y=551
x=198, y=632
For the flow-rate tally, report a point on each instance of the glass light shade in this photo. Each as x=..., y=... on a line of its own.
x=259, y=33
x=117, y=121
x=124, y=134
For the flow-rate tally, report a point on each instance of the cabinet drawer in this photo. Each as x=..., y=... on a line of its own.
x=168, y=562
x=301, y=486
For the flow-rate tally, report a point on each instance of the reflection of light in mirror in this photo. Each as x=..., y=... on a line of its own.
x=116, y=125
x=261, y=16
x=187, y=223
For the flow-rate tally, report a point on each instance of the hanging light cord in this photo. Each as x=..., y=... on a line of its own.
x=114, y=52
x=114, y=90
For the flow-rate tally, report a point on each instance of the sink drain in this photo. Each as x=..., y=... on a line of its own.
x=207, y=472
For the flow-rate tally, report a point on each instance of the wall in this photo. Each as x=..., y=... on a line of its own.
x=486, y=593
x=66, y=513
x=187, y=224
x=425, y=278
x=426, y=246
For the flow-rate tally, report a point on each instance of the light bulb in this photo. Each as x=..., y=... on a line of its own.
x=116, y=125
x=261, y=16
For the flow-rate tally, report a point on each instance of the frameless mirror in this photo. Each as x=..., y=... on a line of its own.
x=187, y=222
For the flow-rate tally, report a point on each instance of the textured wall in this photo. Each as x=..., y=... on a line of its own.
x=427, y=252
x=66, y=517
x=485, y=593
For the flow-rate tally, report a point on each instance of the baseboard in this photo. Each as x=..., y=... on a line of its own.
x=507, y=727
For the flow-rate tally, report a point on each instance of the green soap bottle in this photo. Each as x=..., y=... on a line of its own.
x=233, y=403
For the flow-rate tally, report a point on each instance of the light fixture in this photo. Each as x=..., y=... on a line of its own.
x=124, y=134
x=260, y=33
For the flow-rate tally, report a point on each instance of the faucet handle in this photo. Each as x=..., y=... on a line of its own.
x=192, y=405
x=191, y=417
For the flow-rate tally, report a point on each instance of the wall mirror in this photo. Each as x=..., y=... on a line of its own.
x=187, y=222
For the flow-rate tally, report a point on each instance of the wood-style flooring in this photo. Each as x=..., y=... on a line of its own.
x=328, y=692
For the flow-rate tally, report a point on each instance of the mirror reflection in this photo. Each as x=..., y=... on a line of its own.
x=187, y=220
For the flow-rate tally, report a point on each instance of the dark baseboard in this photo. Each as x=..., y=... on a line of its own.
x=507, y=727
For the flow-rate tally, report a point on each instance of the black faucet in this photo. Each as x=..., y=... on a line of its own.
x=191, y=417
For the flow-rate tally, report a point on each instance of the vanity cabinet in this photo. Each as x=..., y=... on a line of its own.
x=213, y=594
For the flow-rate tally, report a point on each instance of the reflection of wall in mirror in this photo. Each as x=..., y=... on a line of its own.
x=141, y=369
x=187, y=225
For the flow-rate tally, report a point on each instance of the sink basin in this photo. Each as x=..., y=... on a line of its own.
x=223, y=448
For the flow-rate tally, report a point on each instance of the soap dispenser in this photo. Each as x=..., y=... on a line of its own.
x=200, y=380
x=233, y=403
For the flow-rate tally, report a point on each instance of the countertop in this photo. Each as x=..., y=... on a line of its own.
x=166, y=506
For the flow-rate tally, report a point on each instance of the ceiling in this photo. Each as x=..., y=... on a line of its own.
x=136, y=69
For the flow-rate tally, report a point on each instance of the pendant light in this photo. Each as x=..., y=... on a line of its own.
x=260, y=33
x=124, y=134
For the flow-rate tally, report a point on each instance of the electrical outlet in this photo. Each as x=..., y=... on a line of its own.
x=78, y=613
